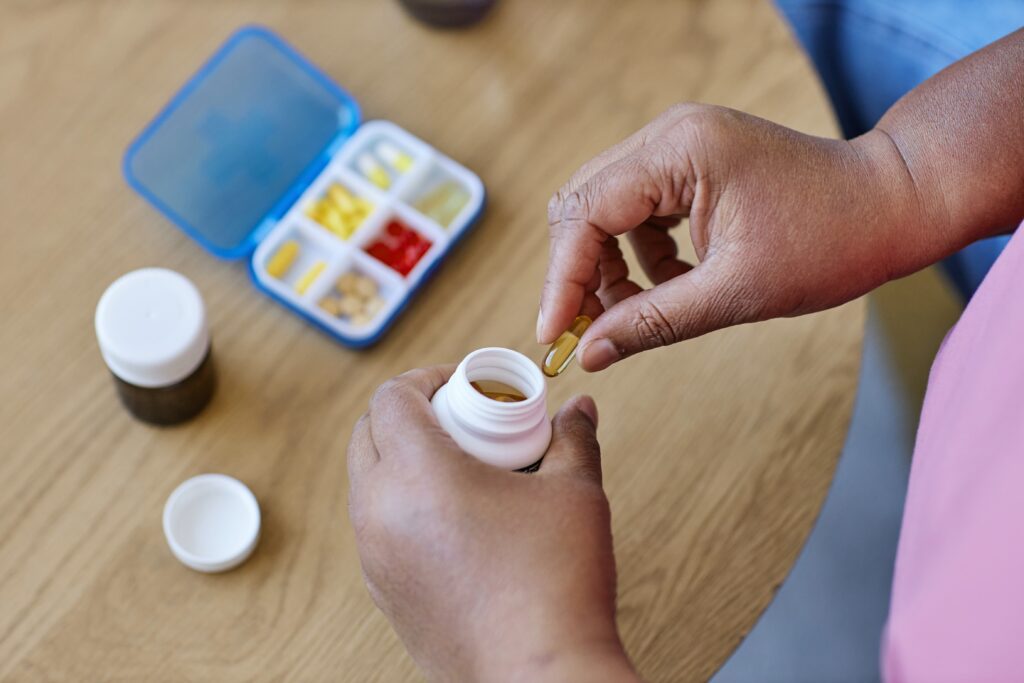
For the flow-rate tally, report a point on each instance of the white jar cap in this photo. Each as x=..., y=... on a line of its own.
x=151, y=327
x=212, y=522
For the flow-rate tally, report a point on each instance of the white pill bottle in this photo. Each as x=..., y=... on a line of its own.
x=513, y=435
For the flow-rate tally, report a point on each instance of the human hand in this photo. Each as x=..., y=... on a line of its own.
x=485, y=574
x=782, y=224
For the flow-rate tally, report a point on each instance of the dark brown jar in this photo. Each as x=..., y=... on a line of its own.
x=448, y=13
x=152, y=331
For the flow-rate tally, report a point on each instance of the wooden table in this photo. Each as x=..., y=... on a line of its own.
x=718, y=453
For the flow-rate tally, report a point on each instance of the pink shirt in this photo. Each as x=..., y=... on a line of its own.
x=957, y=610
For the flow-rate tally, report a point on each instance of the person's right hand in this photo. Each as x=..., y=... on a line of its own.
x=782, y=223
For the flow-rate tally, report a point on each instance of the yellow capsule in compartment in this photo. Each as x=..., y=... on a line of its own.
x=340, y=211
x=281, y=262
x=373, y=171
x=563, y=350
x=341, y=198
x=309, y=277
x=393, y=156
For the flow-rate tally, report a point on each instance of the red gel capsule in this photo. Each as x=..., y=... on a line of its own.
x=399, y=247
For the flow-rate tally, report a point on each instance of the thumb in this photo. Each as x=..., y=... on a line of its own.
x=702, y=300
x=574, y=449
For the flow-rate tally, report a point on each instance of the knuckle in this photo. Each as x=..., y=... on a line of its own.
x=385, y=393
x=653, y=328
x=392, y=396
x=700, y=124
x=555, y=209
x=670, y=164
x=680, y=110
x=360, y=425
x=575, y=205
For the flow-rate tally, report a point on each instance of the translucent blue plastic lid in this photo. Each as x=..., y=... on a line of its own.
x=234, y=148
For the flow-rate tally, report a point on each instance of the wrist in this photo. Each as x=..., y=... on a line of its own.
x=914, y=224
x=596, y=662
x=553, y=648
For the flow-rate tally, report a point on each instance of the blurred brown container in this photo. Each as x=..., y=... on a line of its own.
x=448, y=13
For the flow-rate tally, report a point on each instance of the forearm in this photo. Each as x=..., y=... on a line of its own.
x=958, y=140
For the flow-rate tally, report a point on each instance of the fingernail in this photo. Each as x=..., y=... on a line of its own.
x=588, y=408
x=599, y=354
x=540, y=324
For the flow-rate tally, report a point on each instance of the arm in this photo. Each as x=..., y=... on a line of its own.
x=782, y=223
x=961, y=136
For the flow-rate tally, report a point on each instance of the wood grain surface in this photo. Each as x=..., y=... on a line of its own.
x=717, y=452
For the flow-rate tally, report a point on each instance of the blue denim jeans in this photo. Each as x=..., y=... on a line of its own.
x=870, y=52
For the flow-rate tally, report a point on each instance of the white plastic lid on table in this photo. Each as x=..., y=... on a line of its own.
x=212, y=522
x=151, y=327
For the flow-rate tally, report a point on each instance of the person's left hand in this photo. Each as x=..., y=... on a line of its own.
x=485, y=574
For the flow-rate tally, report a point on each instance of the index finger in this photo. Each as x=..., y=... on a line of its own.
x=614, y=200
x=402, y=420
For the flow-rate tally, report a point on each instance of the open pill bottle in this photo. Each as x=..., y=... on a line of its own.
x=513, y=435
x=153, y=335
x=260, y=156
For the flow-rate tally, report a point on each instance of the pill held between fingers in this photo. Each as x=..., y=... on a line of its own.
x=561, y=353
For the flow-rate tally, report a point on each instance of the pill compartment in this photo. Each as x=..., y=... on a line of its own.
x=341, y=205
x=357, y=295
x=293, y=262
x=403, y=245
x=385, y=156
x=249, y=159
x=442, y=194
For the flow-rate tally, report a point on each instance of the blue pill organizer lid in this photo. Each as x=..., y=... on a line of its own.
x=239, y=142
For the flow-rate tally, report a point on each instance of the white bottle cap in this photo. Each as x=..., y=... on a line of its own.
x=212, y=522
x=151, y=327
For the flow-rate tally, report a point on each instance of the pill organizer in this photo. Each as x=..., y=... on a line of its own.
x=262, y=156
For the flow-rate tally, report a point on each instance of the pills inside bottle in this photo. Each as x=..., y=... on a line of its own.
x=152, y=332
x=563, y=350
x=498, y=391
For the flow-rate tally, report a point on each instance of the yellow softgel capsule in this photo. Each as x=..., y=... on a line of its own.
x=563, y=350
x=310, y=277
x=283, y=258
